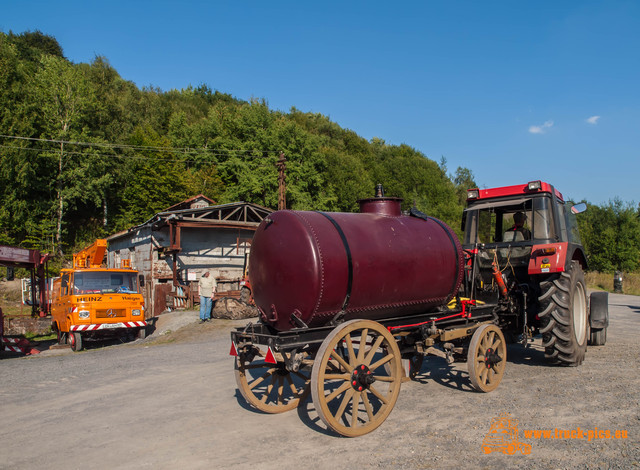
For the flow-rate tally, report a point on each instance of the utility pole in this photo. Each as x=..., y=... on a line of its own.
x=282, y=189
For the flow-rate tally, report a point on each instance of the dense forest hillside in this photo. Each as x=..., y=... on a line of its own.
x=85, y=153
x=96, y=154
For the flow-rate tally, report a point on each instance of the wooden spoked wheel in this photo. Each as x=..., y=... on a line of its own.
x=487, y=358
x=356, y=377
x=269, y=387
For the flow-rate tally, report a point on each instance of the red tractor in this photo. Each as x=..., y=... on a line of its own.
x=525, y=255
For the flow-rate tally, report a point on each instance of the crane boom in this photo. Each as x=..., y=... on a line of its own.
x=92, y=256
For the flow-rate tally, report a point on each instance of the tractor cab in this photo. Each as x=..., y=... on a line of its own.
x=507, y=227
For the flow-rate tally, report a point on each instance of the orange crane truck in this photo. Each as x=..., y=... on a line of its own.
x=89, y=302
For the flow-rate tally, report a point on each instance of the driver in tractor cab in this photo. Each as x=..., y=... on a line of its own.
x=518, y=232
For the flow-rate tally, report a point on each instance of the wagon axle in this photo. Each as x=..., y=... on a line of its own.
x=362, y=378
x=491, y=358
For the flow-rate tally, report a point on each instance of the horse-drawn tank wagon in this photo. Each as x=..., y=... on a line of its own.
x=350, y=303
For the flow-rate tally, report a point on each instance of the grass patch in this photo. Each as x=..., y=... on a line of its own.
x=34, y=337
x=16, y=311
x=604, y=281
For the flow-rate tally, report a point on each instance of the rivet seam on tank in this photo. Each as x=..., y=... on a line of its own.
x=317, y=244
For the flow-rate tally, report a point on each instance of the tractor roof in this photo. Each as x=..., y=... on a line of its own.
x=530, y=188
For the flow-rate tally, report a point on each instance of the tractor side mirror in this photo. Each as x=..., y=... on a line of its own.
x=141, y=280
x=578, y=208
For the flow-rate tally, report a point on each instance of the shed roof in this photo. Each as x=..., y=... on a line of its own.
x=188, y=203
x=244, y=215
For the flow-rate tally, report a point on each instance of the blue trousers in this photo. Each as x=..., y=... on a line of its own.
x=205, y=308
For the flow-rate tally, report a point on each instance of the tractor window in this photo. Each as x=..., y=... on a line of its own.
x=572, y=228
x=501, y=223
x=480, y=226
x=542, y=219
x=516, y=226
x=522, y=220
x=562, y=218
x=487, y=221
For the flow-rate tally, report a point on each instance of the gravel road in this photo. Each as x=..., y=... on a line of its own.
x=170, y=401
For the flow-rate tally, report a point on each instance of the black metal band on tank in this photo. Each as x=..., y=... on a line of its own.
x=455, y=247
x=347, y=250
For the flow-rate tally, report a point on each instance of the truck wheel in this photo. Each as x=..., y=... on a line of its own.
x=75, y=341
x=62, y=336
x=564, y=317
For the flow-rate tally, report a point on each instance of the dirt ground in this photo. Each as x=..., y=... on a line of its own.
x=170, y=401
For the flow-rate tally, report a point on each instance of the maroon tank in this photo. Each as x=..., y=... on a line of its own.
x=371, y=265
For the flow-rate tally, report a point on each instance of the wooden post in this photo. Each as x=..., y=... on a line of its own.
x=282, y=190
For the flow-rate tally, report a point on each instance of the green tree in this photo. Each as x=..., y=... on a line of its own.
x=64, y=95
x=611, y=236
x=151, y=180
x=463, y=180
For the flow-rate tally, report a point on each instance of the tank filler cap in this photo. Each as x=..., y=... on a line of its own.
x=381, y=205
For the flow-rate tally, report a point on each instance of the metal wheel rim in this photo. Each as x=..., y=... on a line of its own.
x=341, y=406
x=579, y=313
x=269, y=387
x=486, y=376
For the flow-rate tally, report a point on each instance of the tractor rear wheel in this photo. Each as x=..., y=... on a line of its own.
x=564, y=316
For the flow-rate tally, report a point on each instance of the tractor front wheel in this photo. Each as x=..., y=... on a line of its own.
x=564, y=316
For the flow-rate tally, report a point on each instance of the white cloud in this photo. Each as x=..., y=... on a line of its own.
x=593, y=120
x=541, y=129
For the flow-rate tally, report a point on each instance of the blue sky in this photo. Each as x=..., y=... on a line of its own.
x=513, y=90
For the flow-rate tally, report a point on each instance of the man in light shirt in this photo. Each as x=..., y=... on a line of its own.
x=206, y=288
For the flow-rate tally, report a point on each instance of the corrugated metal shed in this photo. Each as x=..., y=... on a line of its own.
x=174, y=247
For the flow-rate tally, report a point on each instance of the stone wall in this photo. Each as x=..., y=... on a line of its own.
x=23, y=325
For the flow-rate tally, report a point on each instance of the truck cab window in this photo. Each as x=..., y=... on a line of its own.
x=64, y=290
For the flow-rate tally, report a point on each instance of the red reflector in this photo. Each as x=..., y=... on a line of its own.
x=234, y=350
x=270, y=358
